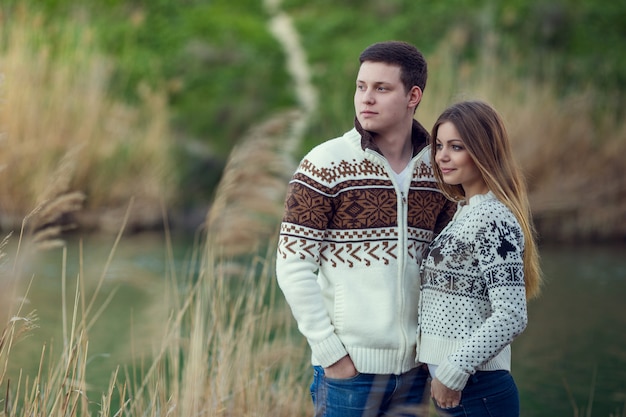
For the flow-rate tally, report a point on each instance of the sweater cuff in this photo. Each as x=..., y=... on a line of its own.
x=328, y=351
x=451, y=376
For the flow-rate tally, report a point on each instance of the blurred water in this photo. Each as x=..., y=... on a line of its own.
x=572, y=355
x=127, y=328
x=571, y=360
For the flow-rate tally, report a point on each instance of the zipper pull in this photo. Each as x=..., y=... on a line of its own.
x=403, y=197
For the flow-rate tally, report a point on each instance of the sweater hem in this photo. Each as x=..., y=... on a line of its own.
x=378, y=361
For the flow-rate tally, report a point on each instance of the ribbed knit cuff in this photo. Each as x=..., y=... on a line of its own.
x=451, y=376
x=328, y=351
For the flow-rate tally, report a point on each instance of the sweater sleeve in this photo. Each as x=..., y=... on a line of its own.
x=499, y=252
x=307, y=212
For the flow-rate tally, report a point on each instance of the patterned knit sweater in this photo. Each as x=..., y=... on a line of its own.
x=473, y=298
x=350, y=245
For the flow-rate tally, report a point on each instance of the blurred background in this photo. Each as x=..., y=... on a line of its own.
x=146, y=99
x=163, y=115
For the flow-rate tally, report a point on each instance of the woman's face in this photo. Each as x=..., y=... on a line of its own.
x=455, y=162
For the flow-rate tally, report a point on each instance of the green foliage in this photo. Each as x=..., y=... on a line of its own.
x=218, y=60
x=571, y=43
x=224, y=72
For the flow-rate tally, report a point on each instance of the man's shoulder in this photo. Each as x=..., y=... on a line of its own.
x=423, y=170
x=335, y=148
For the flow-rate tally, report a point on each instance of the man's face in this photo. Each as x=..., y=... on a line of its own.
x=381, y=103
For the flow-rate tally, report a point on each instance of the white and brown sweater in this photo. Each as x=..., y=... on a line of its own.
x=350, y=246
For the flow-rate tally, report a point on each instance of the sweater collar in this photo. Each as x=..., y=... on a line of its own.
x=419, y=137
x=479, y=198
x=464, y=206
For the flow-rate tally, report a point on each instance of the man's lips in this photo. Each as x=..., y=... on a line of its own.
x=368, y=113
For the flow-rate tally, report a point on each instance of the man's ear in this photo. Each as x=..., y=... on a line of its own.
x=415, y=96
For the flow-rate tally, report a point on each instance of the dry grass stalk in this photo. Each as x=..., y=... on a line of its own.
x=60, y=387
x=572, y=156
x=249, y=197
x=55, y=103
x=237, y=362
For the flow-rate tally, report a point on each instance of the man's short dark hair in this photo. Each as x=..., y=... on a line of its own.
x=413, y=68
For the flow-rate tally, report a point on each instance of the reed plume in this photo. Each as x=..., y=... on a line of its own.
x=249, y=198
x=56, y=108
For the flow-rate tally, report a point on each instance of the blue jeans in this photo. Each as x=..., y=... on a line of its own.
x=369, y=395
x=487, y=394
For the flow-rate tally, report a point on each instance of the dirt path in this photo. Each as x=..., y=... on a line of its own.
x=281, y=26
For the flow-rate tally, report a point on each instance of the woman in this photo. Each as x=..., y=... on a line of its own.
x=480, y=270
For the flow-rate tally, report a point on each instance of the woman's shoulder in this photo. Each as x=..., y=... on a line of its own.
x=494, y=223
x=488, y=209
x=489, y=204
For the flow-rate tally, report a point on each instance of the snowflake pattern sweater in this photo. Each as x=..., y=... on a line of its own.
x=350, y=245
x=473, y=301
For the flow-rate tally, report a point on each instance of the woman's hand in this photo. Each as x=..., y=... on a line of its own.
x=342, y=369
x=444, y=396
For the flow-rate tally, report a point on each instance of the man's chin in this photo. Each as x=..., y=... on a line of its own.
x=368, y=125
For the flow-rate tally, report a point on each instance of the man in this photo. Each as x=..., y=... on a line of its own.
x=360, y=212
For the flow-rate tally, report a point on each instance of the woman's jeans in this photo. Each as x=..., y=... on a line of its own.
x=369, y=395
x=488, y=394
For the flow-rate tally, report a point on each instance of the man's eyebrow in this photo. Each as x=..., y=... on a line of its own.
x=375, y=82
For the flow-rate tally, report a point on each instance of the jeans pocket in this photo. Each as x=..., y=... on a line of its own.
x=350, y=397
x=504, y=403
x=318, y=394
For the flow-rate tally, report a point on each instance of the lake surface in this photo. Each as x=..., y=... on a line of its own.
x=571, y=357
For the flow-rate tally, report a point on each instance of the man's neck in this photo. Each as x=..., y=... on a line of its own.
x=396, y=148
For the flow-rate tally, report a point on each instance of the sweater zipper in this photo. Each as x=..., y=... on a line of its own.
x=401, y=192
x=402, y=239
x=402, y=243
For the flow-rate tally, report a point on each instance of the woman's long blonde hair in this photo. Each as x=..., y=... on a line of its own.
x=485, y=137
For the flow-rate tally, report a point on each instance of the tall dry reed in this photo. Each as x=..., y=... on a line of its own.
x=226, y=346
x=571, y=152
x=249, y=199
x=240, y=358
x=59, y=387
x=56, y=110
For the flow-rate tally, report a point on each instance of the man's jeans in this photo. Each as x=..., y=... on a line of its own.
x=369, y=395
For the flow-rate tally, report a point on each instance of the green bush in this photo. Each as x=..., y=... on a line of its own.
x=224, y=72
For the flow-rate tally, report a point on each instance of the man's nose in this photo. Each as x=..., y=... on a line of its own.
x=368, y=97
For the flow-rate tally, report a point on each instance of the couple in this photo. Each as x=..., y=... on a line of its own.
x=407, y=258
